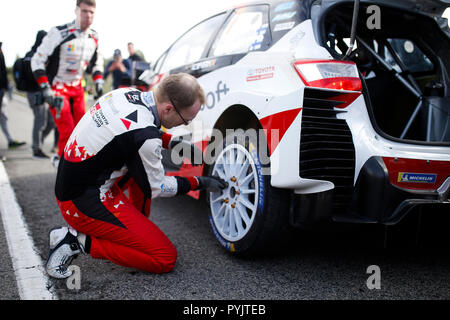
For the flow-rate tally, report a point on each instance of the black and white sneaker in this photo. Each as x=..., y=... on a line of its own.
x=64, y=247
x=55, y=161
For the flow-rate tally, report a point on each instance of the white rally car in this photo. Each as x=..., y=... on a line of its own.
x=312, y=130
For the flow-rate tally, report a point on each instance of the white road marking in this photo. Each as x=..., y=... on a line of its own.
x=30, y=273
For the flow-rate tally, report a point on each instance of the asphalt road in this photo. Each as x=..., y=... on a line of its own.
x=317, y=265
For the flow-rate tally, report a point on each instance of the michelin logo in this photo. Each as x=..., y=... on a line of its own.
x=416, y=177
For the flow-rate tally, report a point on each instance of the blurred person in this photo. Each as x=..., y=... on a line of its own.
x=118, y=68
x=67, y=52
x=43, y=122
x=133, y=54
x=4, y=88
x=10, y=90
x=117, y=146
x=137, y=66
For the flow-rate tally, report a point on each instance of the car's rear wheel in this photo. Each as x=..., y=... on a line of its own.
x=249, y=216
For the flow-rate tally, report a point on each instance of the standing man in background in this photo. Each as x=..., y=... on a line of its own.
x=133, y=54
x=69, y=51
x=43, y=122
x=4, y=88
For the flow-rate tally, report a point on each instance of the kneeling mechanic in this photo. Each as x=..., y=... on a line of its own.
x=117, y=146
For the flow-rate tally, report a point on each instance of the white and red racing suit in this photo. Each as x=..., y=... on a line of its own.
x=117, y=145
x=61, y=61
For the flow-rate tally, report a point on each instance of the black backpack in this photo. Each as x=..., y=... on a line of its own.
x=23, y=76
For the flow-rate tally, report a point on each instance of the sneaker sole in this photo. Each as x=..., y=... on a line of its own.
x=69, y=261
x=50, y=253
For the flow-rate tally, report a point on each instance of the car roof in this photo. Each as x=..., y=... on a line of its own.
x=433, y=7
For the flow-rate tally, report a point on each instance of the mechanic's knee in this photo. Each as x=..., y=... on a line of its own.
x=167, y=260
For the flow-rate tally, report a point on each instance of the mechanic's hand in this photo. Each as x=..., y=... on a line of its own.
x=99, y=88
x=212, y=183
x=187, y=150
x=47, y=93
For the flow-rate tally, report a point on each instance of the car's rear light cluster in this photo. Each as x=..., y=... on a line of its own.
x=329, y=74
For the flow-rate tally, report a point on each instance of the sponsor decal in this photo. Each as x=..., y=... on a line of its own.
x=284, y=16
x=260, y=73
x=254, y=152
x=94, y=108
x=255, y=46
x=64, y=33
x=417, y=174
x=158, y=150
x=285, y=6
x=168, y=189
x=71, y=48
x=284, y=26
x=148, y=98
x=260, y=33
x=134, y=97
x=203, y=65
x=416, y=177
x=98, y=116
x=227, y=245
x=213, y=97
x=262, y=30
x=71, y=60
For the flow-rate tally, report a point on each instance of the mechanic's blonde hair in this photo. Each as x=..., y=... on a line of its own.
x=182, y=88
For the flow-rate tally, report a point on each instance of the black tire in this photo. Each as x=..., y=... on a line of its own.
x=269, y=227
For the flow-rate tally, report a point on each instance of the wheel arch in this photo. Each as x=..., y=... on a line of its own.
x=237, y=116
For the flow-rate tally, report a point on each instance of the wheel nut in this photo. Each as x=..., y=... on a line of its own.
x=226, y=200
x=233, y=179
x=233, y=205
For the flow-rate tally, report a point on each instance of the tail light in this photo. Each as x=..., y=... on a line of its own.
x=329, y=74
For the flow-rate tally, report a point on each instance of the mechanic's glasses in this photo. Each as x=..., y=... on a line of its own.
x=185, y=122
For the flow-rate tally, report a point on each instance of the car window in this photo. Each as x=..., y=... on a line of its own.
x=190, y=47
x=245, y=30
x=159, y=62
x=410, y=54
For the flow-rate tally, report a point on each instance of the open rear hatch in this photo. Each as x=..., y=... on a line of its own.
x=404, y=63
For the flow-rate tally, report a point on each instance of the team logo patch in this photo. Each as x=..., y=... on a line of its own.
x=132, y=117
x=98, y=116
x=134, y=97
x=148, y=98
x=416, y=177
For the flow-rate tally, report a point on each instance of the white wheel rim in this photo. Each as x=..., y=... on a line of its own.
x=233, y=210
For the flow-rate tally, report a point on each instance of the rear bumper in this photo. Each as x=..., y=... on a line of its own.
x=379, y=198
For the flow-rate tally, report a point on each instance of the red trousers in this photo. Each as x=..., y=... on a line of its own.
x=72, y=111
x=127, y=237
